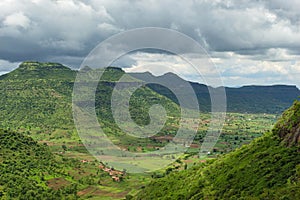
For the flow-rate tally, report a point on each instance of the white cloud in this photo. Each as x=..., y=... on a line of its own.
x=108, y=28
x=278, y=67
x=17, y=19
x=55, y=26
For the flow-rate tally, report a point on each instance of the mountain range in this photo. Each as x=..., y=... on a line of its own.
x=250, y=99
x=54, y=81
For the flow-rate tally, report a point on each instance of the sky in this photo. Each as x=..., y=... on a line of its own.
x=249, y=41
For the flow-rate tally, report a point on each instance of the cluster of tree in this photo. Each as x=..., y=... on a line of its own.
x=24, y=166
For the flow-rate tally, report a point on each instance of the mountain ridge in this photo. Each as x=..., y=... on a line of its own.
x=246, y=99
x=171, y=74
x=28, y=65
x=36, y=65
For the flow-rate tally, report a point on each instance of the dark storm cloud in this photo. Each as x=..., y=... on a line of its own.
x=288, y=10
x=68, y=30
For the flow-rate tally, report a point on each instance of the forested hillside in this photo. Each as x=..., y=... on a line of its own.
x=37, y=95
x=27, y=169
x=267, y=168
x=37, y=98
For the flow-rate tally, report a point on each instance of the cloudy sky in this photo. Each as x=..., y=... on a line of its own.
x=250, y=42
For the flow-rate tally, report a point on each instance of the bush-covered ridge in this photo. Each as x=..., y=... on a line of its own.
x=264, y=169
x=25, y=167
x=36, y=70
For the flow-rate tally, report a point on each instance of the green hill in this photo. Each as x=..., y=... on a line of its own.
x=267, y=168
x=27, y=168
x=37, y=97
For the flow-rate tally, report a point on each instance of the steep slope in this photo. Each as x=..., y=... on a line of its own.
x=37, y=95
x=25, y=167
x=268, y=168
x=251, y=99
x=288, y=126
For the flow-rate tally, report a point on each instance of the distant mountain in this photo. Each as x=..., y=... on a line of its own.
x=267, y=168
x=261, y=99
x=38, y=96
x=173, y=81
x=251, y=99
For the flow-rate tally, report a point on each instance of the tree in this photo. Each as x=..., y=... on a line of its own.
x=64, y=147
x=185, y=166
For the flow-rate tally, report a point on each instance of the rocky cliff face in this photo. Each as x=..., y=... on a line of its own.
x=288, y=126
